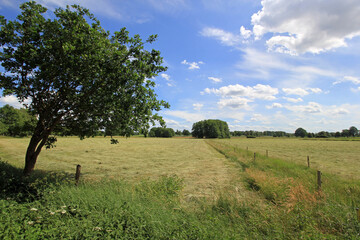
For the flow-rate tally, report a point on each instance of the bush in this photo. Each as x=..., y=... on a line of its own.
x=161, y=132
x=210, y=129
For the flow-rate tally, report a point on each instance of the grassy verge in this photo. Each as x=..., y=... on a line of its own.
x=52, y=207
x=290, y=191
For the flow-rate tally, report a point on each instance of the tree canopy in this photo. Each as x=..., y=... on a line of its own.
x=77, y=75
x=300, y=132
x=16, y=122
x=210, y=129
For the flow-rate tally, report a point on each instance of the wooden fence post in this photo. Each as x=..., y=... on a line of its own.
x=77, y=174
x=254, y=156
x=308, y=161
x=247, y=148
x=319, y=180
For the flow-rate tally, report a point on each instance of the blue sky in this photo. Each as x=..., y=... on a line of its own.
x=259, y=65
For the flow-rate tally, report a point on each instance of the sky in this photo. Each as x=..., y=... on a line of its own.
x=270, y=65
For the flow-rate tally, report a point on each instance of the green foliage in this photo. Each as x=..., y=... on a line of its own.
x=77, y=75
x=300, y=132
x=186, y=132
x=161, y=132
x=16, y=122
x=292, y=200
x=353, y=131
x=210, y=129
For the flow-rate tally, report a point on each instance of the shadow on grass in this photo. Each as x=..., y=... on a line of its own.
x=14, y=186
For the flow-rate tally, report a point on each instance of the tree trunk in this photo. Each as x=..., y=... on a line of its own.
x=37, y=141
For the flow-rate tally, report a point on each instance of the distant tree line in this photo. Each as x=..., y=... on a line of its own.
x=351, y=132
x=211, y=128
x=16, y=122
x=184, y=132
x=252, y=133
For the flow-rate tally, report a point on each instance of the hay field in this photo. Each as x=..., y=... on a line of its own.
x=203, y=169
x=337, y=157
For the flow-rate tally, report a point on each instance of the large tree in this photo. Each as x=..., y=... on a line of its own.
x=77, y=75
x=300, y=132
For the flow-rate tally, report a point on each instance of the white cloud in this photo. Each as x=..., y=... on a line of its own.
x=275, y=105
x=259, y=118
x=189, y=117
x=295, y=91
x=13, y=101
x=266, y=64
x=315, y=90
x=215, y=80
x=226, y=38
x=245, y=33
x=198, y=106
x=340, y=111
x=351, y=79
x=234, y=102
x=165, y=76
x=259, y=91
x=355, y=90
x=169, y=81
x=192, y=65
x=293, y=100
x=312, y=107
x=300, y=26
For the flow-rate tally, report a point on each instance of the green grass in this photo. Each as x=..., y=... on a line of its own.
x=269, y=198
x=330, y=155
x=133, y=159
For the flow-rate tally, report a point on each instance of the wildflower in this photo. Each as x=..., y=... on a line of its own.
x=31, y=222
x=33, y=209
x=63, y=211
x=51, y=213
x=63, y=206
x=97, y=229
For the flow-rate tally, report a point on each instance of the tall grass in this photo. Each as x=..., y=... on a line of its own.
x=291, y=191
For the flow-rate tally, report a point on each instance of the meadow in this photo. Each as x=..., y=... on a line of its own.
x=181, y=188
x=340, y=157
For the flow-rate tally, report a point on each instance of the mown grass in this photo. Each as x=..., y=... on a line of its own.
x=134, y=159
x=330, y=155
x=269, y=198
x=291, y=191
x=57, y=209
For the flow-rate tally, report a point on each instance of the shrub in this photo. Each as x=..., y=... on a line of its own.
x=161, y=132
x=210, y=129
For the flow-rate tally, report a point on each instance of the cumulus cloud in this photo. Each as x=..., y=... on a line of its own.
x=234, y=102
x=312, y=107
x=340, y=111
x=215, y=80
x=192, y=65
x=275, y=105
x=264, y=92
x=245, y=33
x=293, y=100
x=198, y=106
x=295, y=91
x=165, y=76
x=300, y=26
x=13, y=101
